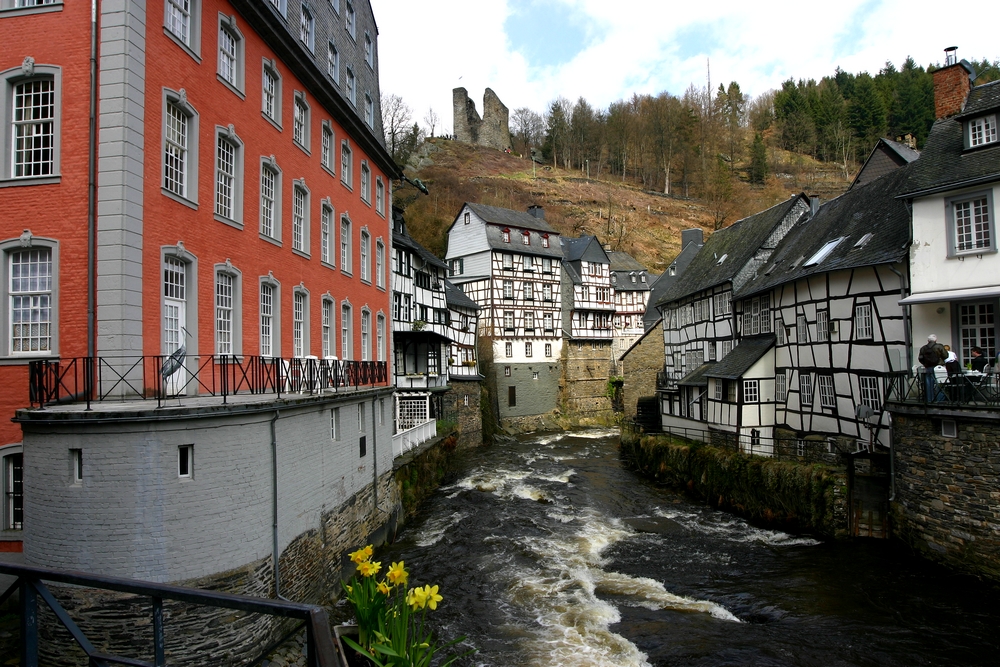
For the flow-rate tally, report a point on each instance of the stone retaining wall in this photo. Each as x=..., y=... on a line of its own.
x=789, y=496
x=947, y=503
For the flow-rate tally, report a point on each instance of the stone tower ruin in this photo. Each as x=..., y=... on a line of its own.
x=492, y=130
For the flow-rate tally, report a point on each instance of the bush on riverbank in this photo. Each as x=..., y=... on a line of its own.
x=787, y=495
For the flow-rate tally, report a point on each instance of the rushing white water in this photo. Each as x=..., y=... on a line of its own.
x=732, y=528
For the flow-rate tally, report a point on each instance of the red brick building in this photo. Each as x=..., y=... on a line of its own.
x=218, y=180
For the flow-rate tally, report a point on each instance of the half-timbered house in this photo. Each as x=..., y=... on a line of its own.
x=631, y=283
x=509, y=263
x=464, y=312
x=700, y=327
x=420, y=328
x=832, y=288
x=691, y=242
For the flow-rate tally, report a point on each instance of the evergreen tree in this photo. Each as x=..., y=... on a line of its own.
x=866, y=113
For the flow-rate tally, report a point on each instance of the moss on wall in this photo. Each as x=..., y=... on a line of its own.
x=419, y=476
x=780, y=494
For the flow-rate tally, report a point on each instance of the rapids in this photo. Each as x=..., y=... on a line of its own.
x=548, y=552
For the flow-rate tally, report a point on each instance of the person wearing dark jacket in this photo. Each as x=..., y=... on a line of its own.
x=932, y=354
x=979, y=362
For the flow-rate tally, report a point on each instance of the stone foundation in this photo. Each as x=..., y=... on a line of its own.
x=463, y=406
x=947, y=503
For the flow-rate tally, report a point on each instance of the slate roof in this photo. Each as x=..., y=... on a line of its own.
x=405, y=240
x=742, y=357
x=510, y=218
x=944, y=163
x=663, y=282
x=869, y=208
x=697, y=377
x=585, y=247
x=455, y=297
x=738, y=242
x=902, y=150
x=622, y=261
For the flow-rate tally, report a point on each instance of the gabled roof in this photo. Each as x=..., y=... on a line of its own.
x=871, y=210
x=728, y=250
x=742, y=357
x=945, y=164
x=584, y=248
x=663, y=282
x=622, y=261
x=887, y=156
x=456, y=298
x=510, y=218
x=403, y=239
x=698, y=377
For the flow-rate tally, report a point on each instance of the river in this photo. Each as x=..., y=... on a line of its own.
x=549, y=552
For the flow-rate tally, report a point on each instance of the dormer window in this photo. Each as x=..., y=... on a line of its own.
x=982, y=131
x=545, y=240
x=526, y=237
x=505, y=234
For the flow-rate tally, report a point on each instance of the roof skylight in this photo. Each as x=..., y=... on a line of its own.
x=823, y=252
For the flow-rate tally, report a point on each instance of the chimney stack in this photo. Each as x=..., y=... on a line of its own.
x=696, y=236
x=536, y=211
x=813, y=206
x=952, y=84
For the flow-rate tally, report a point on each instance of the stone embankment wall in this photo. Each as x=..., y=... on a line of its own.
x=639, y=368
x=790, y=496
x=947, y=503
x=584, y=383
x=463, y=406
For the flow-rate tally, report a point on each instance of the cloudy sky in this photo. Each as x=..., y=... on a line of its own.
x=531, y=51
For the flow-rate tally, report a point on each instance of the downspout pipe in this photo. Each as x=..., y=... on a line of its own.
x=274, y=510
x=92, y=189
x=374, y=460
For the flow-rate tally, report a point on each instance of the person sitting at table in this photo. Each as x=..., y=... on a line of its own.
x=951, y=362
x=979, y=362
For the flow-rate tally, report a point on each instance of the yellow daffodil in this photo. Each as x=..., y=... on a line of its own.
x=432, y=597
x=416, y=598
x=368, y=568
x=396, y=575
x=361, y=555
x=383, y=588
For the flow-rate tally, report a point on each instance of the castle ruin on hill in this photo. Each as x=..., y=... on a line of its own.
x=492, y=130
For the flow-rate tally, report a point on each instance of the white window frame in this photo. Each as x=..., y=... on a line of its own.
x=335, y=432
x=366, y=183
x=805, y=389
x=350, y=20
x=827, y=393
x=870, y=392
x=346, y=259
x=822, y=326
x=780, y=387
x=326, y=147
x=270, y=101
x=333, y=61
x=508, y=349
x=269, y=319
x=981, y=228
x=188, y=37
x=300, y=217
x=185, y=461
x=228, y=315
x=307, y=28
x=380, y=196
x=300, y=322
x=366, y=334
x=301, y=122
x=508, y=319
x=42, y=132
x=326, y=248
x=801, y=329
x=380, y=337
x=36, y=296
x=863, y=324
x=329, y=342
x=182, y=142
x=379, y=264
x=228, y=176
x=346, y=164
x=346, y=332
x=230, y=66
x=981, y=131
x=270, y=202
x=364, y=252
x=369, y=50
x=351, y=85
x=369, y=110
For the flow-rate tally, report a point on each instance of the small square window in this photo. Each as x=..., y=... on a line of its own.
x=76, y=465
x=506, y=371
x=185, y=461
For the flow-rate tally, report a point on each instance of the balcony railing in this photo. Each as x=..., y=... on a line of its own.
x=312, y=620
x=404, y=441
x=665, y=380
x=967, y=390
x=158, y=377
x=463, y=370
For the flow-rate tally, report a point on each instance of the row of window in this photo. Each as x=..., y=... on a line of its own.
x=182, y=21
x=726, y=390
x=528, y=291
x=863, y=327
x=528, y=352
x=404, y=310
x=525, y=235
x=529, y=263
x=530, y=320
x=228, y=316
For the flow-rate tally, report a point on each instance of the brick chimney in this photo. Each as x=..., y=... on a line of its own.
x=952, y=84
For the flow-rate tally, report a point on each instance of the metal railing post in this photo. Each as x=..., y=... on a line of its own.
x=29, y=624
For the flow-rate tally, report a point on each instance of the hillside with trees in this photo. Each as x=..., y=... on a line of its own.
x=660, y=163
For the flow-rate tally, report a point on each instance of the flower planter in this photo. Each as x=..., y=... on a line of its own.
x=348, y=656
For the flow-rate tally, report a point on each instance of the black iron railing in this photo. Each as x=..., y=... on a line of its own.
x=966, y=390
x=97, y=379
x=665, y=380
x=320, y=648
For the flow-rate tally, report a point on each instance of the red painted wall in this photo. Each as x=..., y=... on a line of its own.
x=57, y=211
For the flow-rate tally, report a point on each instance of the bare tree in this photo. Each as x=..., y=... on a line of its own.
x=397, y=120
x=528, y=129
x=431, y=120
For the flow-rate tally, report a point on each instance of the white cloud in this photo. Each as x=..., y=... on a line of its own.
x=646, y=46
